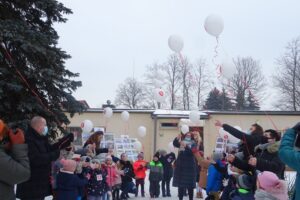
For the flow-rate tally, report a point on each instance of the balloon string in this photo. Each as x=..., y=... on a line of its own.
x=218, y=66
x=13, y=65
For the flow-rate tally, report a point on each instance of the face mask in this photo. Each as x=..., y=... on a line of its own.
x=188, y=138
x=45, y=131
x=248, y=132
x=271, y=140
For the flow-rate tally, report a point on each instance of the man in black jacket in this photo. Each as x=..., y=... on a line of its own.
x=40, y=154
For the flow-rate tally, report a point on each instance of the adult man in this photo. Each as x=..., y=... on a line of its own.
x=14, y=167
x=41, y=154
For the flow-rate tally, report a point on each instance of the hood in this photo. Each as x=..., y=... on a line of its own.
x=270, y=147
x=263, y=195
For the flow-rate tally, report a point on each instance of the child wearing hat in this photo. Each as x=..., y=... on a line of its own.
x=111, y=174
x=140, y=168
x=67, y=182
x=245, y=184
x=269, y=186
x=97, y=186
x=155, y=176
x=214, y=177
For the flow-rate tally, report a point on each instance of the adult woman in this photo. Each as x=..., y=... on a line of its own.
x=185, y=166
x=96, y=138
x=254, y=138
x=290, y=156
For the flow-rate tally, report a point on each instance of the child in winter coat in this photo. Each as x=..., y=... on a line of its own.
x=140, y=168
x=155, y=176
x=214, y=177
x=118, y=182
x=167, y=161
x=245, y=183
x=97, y=186
x=111, y=174
x=269, y=186
x=67, y=182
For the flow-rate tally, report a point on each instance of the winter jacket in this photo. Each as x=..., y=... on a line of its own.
x=14, y=169
x=140, y=168
x=111, y=175
x=214, y=178
x=290, y=156
x=126, y=166
x=97, y=184
x=167, y=162
x=250, y=141
x=267, y=160
x=156, y=171
x=263, y=195
x=185, y=167
x=68, y=185
x=40, y=154
x=243, y=195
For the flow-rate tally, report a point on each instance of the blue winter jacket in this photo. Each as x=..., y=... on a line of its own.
x=214, y=178
x=290, y=156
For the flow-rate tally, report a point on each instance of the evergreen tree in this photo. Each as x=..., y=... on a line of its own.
x=252, y=104
x=213, y=101
x=226, y=102
x=33, y=77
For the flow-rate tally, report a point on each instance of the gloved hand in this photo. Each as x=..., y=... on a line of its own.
x=66, y=141
x=16, y=137
x=297, y=127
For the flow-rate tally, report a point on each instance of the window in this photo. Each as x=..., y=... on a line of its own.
x=169, y=125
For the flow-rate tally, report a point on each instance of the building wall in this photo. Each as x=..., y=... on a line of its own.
x=165, y=136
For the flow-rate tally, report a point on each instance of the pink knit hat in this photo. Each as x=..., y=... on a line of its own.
x=268, y=180
x=69, y=165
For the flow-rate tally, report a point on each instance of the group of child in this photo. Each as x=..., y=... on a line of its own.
x=98, y=177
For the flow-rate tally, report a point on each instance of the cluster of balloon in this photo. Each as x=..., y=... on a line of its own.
x=184, y=128
x=230, y=138
x=175, y=43
x=159, y=95
x=142, y=131
x=214, y=25
x=87, y=126
x=125, y=116
x=171, y=147
x=108, y=112
x=194, y=116
x=138, y=145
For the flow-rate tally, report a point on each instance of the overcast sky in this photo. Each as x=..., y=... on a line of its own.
x=110, y=40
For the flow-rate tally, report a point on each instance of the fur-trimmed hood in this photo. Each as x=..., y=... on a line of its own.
x=270, y=147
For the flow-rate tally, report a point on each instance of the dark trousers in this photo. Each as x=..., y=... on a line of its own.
x=42, y=198
x=165, y=187
x=142, y=183
x=116, y=194
x=154, y=189
x=182, y=190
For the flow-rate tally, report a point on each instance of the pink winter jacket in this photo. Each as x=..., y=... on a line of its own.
x=112, y=175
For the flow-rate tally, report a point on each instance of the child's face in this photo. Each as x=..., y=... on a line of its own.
x=155, y=158
x=108, y=162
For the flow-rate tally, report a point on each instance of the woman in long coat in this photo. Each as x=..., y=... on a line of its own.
x=185, y=167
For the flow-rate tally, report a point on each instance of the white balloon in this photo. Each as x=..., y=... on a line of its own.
x=108, y=112
x=142, y=131
x=159, y=95
x=194, y=116
x=137, y=145
x=171, y=147
x=87, y=126
x=175, y=43
x=227, y=69
x=185, y=129
x=214, y=25
x=125, y=116
x=157, y=83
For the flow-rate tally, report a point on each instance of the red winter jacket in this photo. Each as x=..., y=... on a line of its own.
x=140, y=167
x=111, y=175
